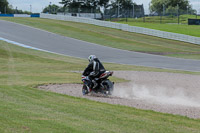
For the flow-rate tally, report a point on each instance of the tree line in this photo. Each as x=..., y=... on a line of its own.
x=6, y=8
x=171, y=6
x=96, y=4
x=156, y=6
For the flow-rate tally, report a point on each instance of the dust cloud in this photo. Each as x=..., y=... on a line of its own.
x=159, y=95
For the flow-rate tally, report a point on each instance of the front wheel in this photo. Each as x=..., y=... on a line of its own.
x=108, y=86
x=84, y=90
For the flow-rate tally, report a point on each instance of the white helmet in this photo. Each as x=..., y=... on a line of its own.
x=91, y=57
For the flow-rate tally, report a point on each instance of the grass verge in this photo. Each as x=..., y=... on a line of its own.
x=169, y=24
x=27, y=109
x=114, y=38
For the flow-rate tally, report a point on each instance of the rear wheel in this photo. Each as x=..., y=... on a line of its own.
x=108, y=86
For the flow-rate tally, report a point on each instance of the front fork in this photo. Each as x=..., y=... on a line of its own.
x=85, y=82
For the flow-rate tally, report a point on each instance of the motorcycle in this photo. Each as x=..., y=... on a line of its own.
x=100, y=85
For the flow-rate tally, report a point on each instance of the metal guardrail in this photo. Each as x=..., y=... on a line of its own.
x=125, y=27
x=20, y=15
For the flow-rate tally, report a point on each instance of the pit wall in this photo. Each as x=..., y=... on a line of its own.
x=125, y=27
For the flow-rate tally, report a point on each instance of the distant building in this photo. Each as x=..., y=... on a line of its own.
x=139, y=11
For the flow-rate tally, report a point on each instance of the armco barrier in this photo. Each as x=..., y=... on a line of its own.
x=125, y=27
x=6, y=15
x=20, y=15
x=35, y=15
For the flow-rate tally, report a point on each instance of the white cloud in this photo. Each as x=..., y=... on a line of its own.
x=196, y=5
x=37, y=5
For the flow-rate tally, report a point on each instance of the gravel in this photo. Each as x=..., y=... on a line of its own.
x=158, y=91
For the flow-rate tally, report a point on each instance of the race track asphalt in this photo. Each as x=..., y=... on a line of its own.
x=72, y=47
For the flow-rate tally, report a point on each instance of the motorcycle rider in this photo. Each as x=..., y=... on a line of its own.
x=94, y=69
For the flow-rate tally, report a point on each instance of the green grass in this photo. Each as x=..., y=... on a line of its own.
x=24, y=108
x=168, y=24
x=114, y=38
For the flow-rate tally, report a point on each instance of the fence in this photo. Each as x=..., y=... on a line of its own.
x=86, y=15
x=164, y=15
x=125, y=27
x=132, y=11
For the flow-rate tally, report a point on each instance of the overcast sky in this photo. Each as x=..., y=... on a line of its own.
x=38, y=5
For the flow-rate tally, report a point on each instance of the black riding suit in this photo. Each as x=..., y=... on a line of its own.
x=94, y=70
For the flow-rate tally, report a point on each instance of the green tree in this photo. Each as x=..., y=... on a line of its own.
x=5, y=8
x=158, y=5
x=4, y=5
x=82, y=5
x=73, y=5
x=52, y=9
x=122, y=3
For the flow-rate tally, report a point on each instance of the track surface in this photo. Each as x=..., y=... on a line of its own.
x=68, y=46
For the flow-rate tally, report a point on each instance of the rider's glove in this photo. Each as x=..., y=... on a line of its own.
x=92, y=74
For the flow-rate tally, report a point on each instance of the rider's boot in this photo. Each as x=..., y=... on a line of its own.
x=94, y=84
